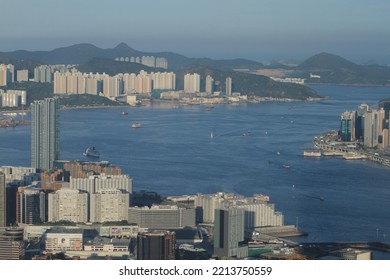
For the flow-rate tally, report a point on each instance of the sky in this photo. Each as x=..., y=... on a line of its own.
x=262, y=30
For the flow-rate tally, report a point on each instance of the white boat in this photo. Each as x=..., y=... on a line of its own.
x=91, y=152
x=136, y=125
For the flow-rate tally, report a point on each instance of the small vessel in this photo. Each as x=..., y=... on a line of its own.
x=136, y=125
x=247, y=133
x=91, y=152
x=286, y=166
x=124, y=113
x=312, y=153
x=212, y=135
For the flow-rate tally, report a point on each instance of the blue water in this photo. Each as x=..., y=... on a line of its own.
x=173, y=154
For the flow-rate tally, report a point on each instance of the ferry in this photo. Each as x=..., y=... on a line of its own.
x=91, y=152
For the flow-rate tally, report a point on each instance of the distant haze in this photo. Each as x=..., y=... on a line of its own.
x=260, y=30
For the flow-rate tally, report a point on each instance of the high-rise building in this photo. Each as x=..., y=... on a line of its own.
x=229, y=233
x=192, y=83
x=22, y=75
x=68, y=205
x=348, y=126
x=12, y=244
x=156, y=245
x=209, y=85
x=3, y=212
x=109, y=205
x=228, y=86
x=45, y=135
x=30, y=206
x=371, y=123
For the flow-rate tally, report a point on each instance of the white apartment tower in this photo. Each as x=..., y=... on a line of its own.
x=109, y=205
x=68, y=205
x=192, y=83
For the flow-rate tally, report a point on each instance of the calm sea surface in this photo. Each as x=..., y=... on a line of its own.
x=173, y=154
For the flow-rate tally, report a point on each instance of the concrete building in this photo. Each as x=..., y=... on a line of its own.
x=3, y=201
x=157, y=245
x=109, y=206
x=11, y=244
x=192, y=83
x=13, y=98
x=258, y=211
x=30, y=206
x=209, y=87
x=229, y=233
x=64, y=239
x=19, y=175
x=371, y=124
x=45, y=134
x=347, y=126
x=161, y=217
x=161, y=62
x=68, y=205
x=228, y=86
x=22, y=75
x=149, y=61
x=6, y=74
x=96, y=183
x=43, y=73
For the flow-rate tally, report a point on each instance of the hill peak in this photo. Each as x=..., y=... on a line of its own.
x=326, y=60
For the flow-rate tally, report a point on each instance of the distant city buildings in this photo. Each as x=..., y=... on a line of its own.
x=367, y=124
x=150, y=61
x=6, y=74
x=13, y=98
x=45, y=134
x=75, y=82
x=257, y=209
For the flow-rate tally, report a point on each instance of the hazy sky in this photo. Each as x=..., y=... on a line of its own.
x=256, y=29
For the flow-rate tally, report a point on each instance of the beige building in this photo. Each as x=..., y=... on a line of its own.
x=68, y=205
x=108, y=206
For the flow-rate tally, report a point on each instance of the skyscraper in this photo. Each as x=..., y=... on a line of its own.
x=2, y=200
x=229, y=233
x=45, y=135
x=209, y=85
x=228, y=86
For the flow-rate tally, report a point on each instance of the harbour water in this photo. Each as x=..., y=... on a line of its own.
x=173, y=153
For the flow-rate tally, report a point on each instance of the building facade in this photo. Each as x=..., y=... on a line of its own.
x=156, y=246
x=68, y=205
x=161, y=217
x=45, y=134
x=229, y=233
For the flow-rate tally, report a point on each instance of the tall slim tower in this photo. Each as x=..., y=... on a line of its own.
x=45, y=135
x=2, y=201
x=228, y=86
